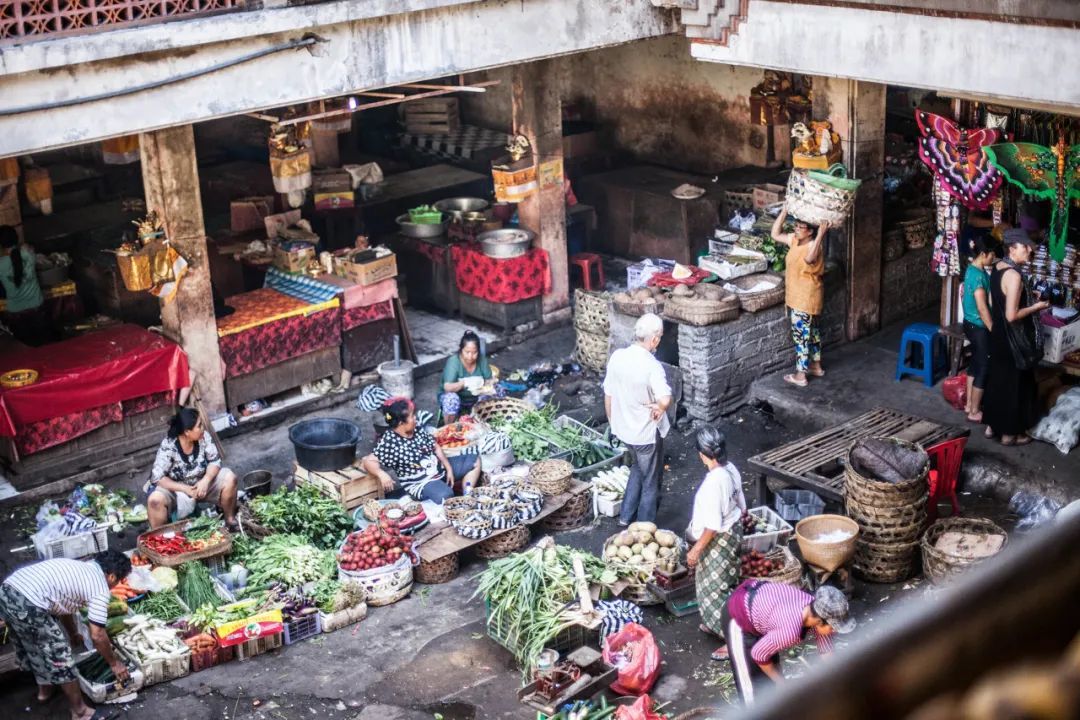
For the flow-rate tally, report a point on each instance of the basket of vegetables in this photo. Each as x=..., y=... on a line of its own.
x=379, y=560
x=635, y=554
x=184, y=541
x=458, y=437
x=206, y=651
x=304, y=511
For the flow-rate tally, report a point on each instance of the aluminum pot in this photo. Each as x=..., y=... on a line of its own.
x=457, y=207
x=506, y=242
x=422, y=230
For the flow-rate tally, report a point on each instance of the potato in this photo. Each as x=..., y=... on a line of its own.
x=623, y=297
x=682, y=291
x=642, y=527
x=643, y=537
x=612, y=552
x=636, y=560
x=636, y=548
x=625, y=553
x=711, y=292
x=649, y=554
x=642, y=294
x=666, y=552
x=666, y=538
x=655, y=547
x=624, y=538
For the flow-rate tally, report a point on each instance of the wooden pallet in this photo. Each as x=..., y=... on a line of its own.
x=440, y=539
x=816, y=462
x=350, y=486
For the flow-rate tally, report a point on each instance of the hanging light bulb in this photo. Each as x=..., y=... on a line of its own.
x=352, y=103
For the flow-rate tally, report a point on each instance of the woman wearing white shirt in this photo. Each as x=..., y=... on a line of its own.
x=716, y=531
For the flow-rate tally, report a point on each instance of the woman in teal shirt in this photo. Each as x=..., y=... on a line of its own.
x=463, y=374
x=977, y=321
x=22, y=313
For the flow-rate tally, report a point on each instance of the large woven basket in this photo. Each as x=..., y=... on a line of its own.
x=458, y=508
x=827, y=555
x=500, y=410
x=918, y=228
x=815, y=197
x=790, y=573
x=551, y=477
x=591, y=312
x=755, y=301
x=888, y=525
x=701, y=312
x=885, y=562
x=438, y=571
x=222, y=548
x=571, y=515
x=592, y=350
x=877, y=493
x=503, y=544
x=476, y=526
x=637, y=308
x=940, y=567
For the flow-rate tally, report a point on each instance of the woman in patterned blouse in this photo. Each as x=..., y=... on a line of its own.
x=188, y=465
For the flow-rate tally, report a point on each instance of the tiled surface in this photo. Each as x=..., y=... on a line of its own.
x=436, y=336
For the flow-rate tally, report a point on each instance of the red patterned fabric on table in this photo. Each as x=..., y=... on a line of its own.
x=99, y=368
x=355, y=295
x=433, y=252
x=44, y=434
x=147, y=402
x=357, y=316
x=279, y=340
x=501, y=281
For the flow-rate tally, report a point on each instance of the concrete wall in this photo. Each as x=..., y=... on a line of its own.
x=654, y=102
x=908, y=285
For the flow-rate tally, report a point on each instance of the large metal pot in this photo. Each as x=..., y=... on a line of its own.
x=506, y=242
x=325, y=444
x=457, y=207
x=422, y=230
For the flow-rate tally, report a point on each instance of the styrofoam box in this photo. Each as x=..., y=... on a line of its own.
x=1060, y=341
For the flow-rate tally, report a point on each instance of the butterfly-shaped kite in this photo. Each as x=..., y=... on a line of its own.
x=956, y=156
x=1048, y=173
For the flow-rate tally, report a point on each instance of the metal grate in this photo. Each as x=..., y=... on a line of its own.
x=50, y=18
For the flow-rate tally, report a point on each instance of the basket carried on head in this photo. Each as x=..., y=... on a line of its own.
x=591, y=312
x=552, y=477
x=436, y=572
x=571, y=515
x=817, y=197
x=940, y=566
x=753, y=301
x=699, y=312
x=829, y=555
x=503, y=544
x=499, y=410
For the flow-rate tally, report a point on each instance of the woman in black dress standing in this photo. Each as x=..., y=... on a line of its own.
x=1010, y=409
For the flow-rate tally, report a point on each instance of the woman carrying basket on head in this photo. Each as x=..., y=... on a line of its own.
x=804, y=293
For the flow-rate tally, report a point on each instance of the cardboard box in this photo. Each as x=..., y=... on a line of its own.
x=251, y=628
x=366, y=273
x=768, y=194
x=1060, y=341
x=250, y=213
x=334, y=200
x=331, y=181
x=294, y=260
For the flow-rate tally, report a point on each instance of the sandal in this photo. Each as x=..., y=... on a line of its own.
x=720, y=654
x=816, y=373
x=1022, y=440
x=977, y=419
x=793, y=381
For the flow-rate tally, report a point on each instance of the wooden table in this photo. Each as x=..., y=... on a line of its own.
x=816, y=462
x=422, y=186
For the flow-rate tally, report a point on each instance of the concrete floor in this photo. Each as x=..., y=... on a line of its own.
x=428, y=656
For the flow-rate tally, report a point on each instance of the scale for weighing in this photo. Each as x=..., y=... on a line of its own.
x=582, y=675
x=676, y=589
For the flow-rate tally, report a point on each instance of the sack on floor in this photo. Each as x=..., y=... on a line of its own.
x=634, y=653
x=1061, y=428
x=954, y=390
x=642, y=709
x=885, y=461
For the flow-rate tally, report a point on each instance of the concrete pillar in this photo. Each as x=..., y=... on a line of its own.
x=857, y=112
x=171, y=184
x=536, y=106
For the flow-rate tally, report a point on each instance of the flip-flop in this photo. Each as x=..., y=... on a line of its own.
x=720, y=654
x=977, y=421
x=790, y=379
x=1022, y=440
x=819, y=373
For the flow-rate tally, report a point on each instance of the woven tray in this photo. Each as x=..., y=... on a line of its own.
x=637, y=308
x=551, y=477
x=503, y=544
x=701, y=312
x=222, y=548
x=939, y=567
x=436, y=572
x=571, y=515
x=591, y=312
x=498, y=410
x=790, y=574
x=755, y=301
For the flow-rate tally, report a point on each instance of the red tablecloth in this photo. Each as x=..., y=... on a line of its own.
x=501, y=281
x=357, y=316
x=99, y=368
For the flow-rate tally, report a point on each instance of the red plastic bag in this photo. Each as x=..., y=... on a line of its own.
x=954, y=390
x=634, y=651
x=640, y=710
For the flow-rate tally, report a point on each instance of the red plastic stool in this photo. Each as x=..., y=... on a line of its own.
x=945, y=458
x=587, y=261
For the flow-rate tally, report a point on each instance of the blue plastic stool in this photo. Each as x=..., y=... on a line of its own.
x=935, y=354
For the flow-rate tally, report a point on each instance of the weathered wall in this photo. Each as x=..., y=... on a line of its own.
x=653, y=102
x=908, y=285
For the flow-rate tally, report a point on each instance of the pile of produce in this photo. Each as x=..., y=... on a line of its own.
x=166, y=577
x=196, y=587
x=124, y=591
x=756, y=564
x=147, y=639
x=611, y=483
x=95, y=670
x=304, y=511
x=164, y=606
x=458, y=434
x=208, y=616
x=201, y=533
x=295, y=604
x=534, y=436
x=203, y=642
x=333, y=596
x=641, y=545
x=753, y=525
x=288, y=559
x=377, y=545
x=527, y=593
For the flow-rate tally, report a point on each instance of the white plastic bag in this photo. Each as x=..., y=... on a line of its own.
x=141, y=579
x=1061, y=428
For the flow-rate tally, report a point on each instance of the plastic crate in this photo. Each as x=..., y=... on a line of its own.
x=103, y=692
x=779, y=532
x=258, y=646
x=793, y=505
x=74, y=546
x=211, y=658
x=164, y=670
x=302, y=628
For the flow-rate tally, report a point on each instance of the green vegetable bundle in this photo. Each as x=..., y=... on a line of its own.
x=304, y=511
x=164, y=606
x=290, y=560
x=202, y=528
x=196, y=587
x=332, y=596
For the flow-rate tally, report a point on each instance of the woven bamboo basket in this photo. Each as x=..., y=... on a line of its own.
x=459, y=508
x=885, y=562
x=755, y=301
x=700, y=312
x=222, y=548
x=790, y=574
x=551, y=477
x=919, y=228
x=592, y=350
x=503, y=512
x=637, y=591
x=940, y=567
x=475, y=527
x=499, y=410
x=817, y=197
x=571, y=515
x=503, y=544
x=591, y=312
x=638, y=308
x=828, y=555
x=869, y=491
x=436, y=572
x=888, y=525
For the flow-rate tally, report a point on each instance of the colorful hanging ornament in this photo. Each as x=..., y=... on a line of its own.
x=956, y=157
x=1048, y=173
x=946, y=258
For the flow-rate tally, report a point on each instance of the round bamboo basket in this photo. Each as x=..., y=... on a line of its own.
x=894, y=525
x=940, y=567
x=591, y=312
x=438, y=571
x=552, y=477
x=571, y=515
x=790, y=574
x=869, y=491
x=458, y=508
x=503, y=544
x=827, y=555
x=592, y=350
x=885, y=562
x=498, y=410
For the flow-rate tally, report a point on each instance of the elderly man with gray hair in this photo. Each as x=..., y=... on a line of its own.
x=636, y=399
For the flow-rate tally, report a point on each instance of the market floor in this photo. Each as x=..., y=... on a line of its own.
x=428, y=655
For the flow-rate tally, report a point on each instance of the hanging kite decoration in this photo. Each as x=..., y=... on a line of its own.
x=1048, y=173
x=956, y=157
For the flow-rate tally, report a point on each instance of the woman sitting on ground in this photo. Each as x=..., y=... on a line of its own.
x=188, y=470
x=463, y=374
x=422, y=469
x=977, y=321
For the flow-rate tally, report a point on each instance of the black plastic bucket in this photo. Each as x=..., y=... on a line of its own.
x=325, y=444
x=257, y=482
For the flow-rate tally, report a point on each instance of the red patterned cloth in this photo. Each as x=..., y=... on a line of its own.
x=44, y=434
x=147, y=402
x=501, y=281
x=279, y=340
x=357, y=316
x=431, y=251
x=99, y=368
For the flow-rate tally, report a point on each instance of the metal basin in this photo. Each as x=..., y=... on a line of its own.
x=422, y=230
x=457, y=207
x=506, y=242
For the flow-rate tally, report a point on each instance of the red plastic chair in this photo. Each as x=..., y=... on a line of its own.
x=586, y=262
x=945, y=459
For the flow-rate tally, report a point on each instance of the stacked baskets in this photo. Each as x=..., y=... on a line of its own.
x=891, y=515
x=592, y=328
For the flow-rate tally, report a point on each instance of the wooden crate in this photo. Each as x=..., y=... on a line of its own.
x=436, y=116
x=350, y=486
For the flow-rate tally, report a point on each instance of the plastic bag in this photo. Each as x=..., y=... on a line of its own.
x=142, y=579
x=1034, y=510
x=634, y=653
x=954, y=390
x=1061, y=428
x=640, y=710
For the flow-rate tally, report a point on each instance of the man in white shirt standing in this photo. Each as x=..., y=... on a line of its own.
x=636, y=399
